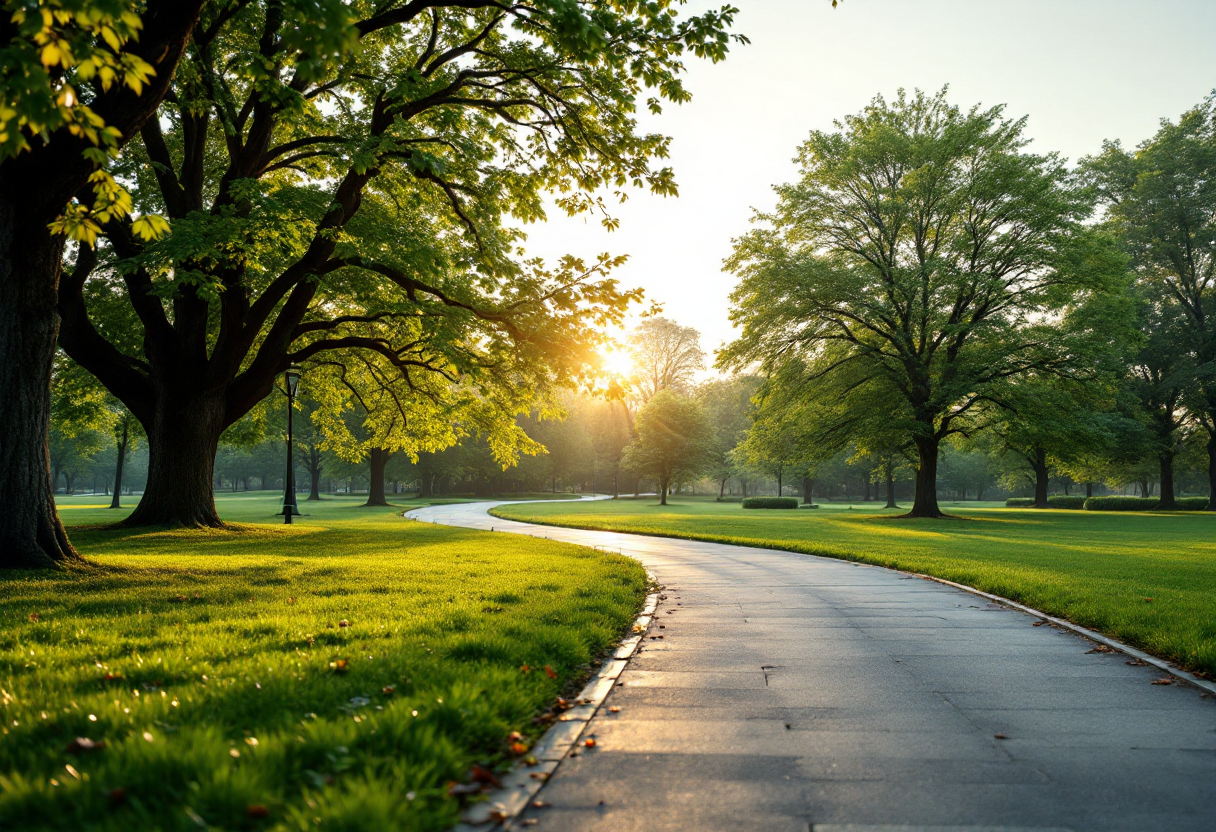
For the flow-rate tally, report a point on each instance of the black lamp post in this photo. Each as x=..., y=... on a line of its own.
x=292, y=377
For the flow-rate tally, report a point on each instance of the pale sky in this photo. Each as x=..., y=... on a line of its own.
x=1082, y=70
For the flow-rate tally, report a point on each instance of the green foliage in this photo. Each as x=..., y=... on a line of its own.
x=1067, y=501
x=223, y=688
x=672, y=441
x=1020, y=502
x=770, y=502
x=1092, y=568
x=1121, y=503
x=914, y=268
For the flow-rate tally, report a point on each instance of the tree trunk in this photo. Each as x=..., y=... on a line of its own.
x=1167, y=483
x=314, y=472
x=924, y=504
x=375, y=488
x=123, y=440
x=182, y=441
x=808, y=487
x=890, y=488
x=722, y=488
x=663, y=491
x=1212, y=471
x=1039, y=464
x=867, y=499
x=778, y=483
x=31, y=535
x=1089, y=490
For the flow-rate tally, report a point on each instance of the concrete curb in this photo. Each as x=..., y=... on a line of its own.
x=1147, y=658
x=520, y=786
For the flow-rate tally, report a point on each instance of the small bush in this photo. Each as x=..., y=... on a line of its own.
x=1020, y=502
x=1118, y=503
x=1192, y=503
x=771, y=502
x=1070, y=501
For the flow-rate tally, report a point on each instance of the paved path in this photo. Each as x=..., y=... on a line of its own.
x=792, y=693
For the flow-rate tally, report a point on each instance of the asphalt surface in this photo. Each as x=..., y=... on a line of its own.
x=790, y=693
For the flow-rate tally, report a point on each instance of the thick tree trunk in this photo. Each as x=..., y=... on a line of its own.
x=375, y=488
x=924, y=504
x=1089, y=490
x=722, y=488
x=116, y=501
x=808, y=487
x=1167, y=483
x=314, y=473
x=31, y=535
x=182, y=441
x=890, y=488
x=663, y=492
x=779, y=484
x=1039, y=464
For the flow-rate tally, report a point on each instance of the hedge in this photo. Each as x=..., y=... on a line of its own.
x=1057, y=501
x=1119, y=503
x=771, y=502
x=1192, y=503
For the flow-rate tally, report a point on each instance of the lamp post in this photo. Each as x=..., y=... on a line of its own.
x=292, y=378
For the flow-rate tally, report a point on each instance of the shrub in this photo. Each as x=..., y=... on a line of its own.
x=1192, y=503
x=1067, y=501
x=1020, y=502
x=771, y=502
x=1118, y=503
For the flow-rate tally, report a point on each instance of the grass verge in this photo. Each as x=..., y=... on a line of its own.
x=336, y=674
x=1147, y=579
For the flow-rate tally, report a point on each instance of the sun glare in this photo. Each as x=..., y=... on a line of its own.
x=616, y=361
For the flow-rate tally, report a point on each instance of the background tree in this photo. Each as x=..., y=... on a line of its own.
x=666, y=356
x=916, y=254
x=1161, y=199
x=358, y=202
x=611, y=432
x=729, y=408
x=672, y=440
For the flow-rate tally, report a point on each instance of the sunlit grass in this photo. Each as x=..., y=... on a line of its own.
x=1097, y=569
x=337, y=673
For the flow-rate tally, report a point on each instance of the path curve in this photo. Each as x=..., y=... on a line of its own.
x=794, y=693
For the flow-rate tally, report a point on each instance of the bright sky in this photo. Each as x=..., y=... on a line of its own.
x=1082, y=70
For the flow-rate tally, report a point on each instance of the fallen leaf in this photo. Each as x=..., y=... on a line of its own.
x=257, y=810
x=530, y=760
x=1039, y=623
x=1000, y=736
x=589, y=742
x=1164, y=680
x=514, y=736
x=518, y=748
x=291, y=600
x=1137, y=663
x=111, y=677
x=340, y=666
x=539, y=804
x=1101, y=648
x=33, y=616
x=523, y=668
x=179, y=598
x=343, y=623
x=481, y=774
x=550, y=672
x=80, y=744
x=614, y=710
x=539, y=775
x=388, y=690
x=1148, y=599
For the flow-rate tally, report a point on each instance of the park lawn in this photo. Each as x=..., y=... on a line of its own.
x=1097, y=569
x=217, y=670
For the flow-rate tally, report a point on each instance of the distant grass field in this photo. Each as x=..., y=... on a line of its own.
x=334, y=674
x=1096, y=569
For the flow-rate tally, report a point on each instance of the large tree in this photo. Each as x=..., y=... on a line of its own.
x=920, y=254
x=666, y=356
x=78, y=78
x=672, y=441
x=356, y=199
x=1161, y=198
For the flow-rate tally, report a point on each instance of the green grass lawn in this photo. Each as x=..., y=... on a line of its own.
x=1097, y=569
x=336, y=674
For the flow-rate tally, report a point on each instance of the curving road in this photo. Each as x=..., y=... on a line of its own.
x=791, y=693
